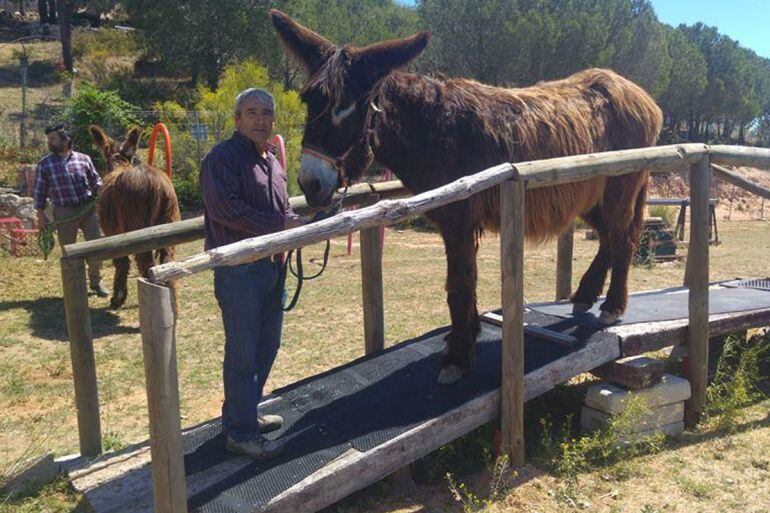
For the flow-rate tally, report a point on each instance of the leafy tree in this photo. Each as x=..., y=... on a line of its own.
x=92, y=106
x=687, y=81
x=215, y=110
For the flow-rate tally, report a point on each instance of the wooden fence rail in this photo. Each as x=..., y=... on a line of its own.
x=541, y=173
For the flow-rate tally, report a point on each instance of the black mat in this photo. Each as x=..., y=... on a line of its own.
x=360, y=405
x=667, y=305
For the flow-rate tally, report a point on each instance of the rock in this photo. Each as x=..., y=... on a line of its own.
x=32, y=474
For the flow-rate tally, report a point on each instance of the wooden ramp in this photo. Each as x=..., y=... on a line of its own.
x=347, y=428
x=351, y=426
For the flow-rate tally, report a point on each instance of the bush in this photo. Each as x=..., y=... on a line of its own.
x=105, y=108
x=290, y=113
x=666, y=212
x=105, y=41
x=10, y=158
x=188, y=192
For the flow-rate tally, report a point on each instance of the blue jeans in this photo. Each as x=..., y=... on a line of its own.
x=251, y=297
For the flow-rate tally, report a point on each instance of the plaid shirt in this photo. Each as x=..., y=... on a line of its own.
x=244, y=194
x=68, y=182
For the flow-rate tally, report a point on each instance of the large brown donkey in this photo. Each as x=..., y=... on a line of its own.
x=133, y=196
x=431, y=131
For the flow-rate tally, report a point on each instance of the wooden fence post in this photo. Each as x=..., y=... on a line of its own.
x=512, y=261
x=564, y=249
x=697, y=277
x=158, y=325
x=371, y=284
x=75, y=293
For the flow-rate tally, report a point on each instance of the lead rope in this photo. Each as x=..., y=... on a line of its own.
x=45, y=239
x=299, y=272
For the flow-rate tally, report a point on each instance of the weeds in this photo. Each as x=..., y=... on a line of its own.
x=501, y=479
x=616, y=444
x=667, y=213
x=736, y=380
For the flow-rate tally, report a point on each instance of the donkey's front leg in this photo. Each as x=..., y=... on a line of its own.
x=461, y=297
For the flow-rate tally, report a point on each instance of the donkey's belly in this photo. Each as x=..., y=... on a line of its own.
x=549, y=211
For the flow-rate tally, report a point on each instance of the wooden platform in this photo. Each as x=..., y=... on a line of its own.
x=319, y=469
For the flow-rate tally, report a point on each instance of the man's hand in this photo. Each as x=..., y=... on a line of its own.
x=42, y=220
x=293, y=222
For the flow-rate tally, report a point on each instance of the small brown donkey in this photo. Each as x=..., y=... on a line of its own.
x=133, y=196
x=431, y=131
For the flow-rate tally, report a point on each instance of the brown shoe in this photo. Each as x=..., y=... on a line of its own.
x=257, y=449
x=269, y=423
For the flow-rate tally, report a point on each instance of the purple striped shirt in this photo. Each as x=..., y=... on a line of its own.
x=68, y=182
x=244, y=194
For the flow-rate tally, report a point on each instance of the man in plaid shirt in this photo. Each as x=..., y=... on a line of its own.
x=69, y=180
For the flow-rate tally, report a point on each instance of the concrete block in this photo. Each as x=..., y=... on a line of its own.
x=592, y=419
x=610, y=398
x=674, y=430
x=634, y=372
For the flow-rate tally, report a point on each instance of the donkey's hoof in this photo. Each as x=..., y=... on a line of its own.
x=117, y=301
x=579, y=308
x=449, y=374
x=608, y=318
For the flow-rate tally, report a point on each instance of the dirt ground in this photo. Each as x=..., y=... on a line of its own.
x=37, y=410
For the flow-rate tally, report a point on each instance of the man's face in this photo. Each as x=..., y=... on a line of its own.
x=55, y=143
x=255, y=121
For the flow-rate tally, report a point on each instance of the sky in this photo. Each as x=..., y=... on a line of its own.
x=747, y=21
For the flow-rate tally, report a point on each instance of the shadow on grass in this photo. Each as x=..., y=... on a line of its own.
x=47, y=320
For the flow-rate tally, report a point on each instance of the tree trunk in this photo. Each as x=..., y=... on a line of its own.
x=65, y=32
x=22, y=7
x=212, y=72
x=42, y=11
x=51, y=19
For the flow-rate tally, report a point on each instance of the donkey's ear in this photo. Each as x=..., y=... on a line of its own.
x=379, y=59
x=100, y=138
x=128, y=148
x=309, y=48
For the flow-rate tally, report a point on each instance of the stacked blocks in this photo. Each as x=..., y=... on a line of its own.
x=662, y=394
x=8, y=225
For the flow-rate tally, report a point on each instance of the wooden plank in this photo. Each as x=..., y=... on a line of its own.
x=157, y=320
x=645, y=337
x=540, y=173
x=738, y=180
x=535, y=331
x=155, y=237
x=512, y=292
x=75, y=293
x=564, y=251
x=740, y=156
x=698, y=283
x=371, y=284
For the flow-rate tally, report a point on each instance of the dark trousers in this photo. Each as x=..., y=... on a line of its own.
x=251, y=297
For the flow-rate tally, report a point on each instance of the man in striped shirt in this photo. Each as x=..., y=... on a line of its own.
x=244, y=195
x=69, y=180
